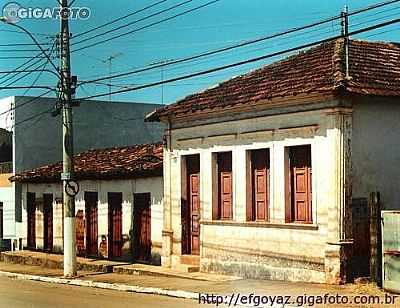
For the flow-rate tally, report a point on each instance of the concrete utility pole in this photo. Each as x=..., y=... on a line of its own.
x=68, y=152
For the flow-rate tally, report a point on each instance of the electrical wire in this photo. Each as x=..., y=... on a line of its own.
x=25, y=103
x=40, y=71
x=331, y=19
x=220, y=50
x=118, y=19
x=18, y=71
x=132, y=22
x=240, y=63
x=147, y=26
x=32, y=117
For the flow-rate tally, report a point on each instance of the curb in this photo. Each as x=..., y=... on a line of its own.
x=118, y=287
x=103, y=285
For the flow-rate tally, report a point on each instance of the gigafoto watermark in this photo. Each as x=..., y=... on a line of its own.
x=15, y=12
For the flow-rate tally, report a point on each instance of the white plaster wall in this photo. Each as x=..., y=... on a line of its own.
x=376, y=150
x=153, y=185
x=307, y=242
x=6, y=116
x=7, y=196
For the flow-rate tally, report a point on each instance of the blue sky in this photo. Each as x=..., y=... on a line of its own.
x=218, y=25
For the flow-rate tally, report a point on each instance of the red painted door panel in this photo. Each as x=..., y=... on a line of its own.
x=301, y=178
x=114, y=225
x=260, y=168
x=48, y=222
x=225, y=184
x=226, y=195
x=91, y=199
x=142, y=227
x=194, y=203
x=31, y=209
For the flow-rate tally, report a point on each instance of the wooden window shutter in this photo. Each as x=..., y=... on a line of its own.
x=301, y=179
x=249, y=187
x=225, y=185
x=259, y=186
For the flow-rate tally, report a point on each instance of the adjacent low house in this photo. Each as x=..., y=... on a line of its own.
x=266, y=173
x=119, y=207
x=35, y=140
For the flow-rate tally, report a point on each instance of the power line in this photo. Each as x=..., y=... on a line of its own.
x=24, y=44
x=133, y=22
x=20, y=50
x=249, y=42
x=220, y=50
x=256, y=59
x=16, y=31
x=33, y=117
x=27, y=87
x=20, y=57
x=17, y=70
x=25, y=75
x=118, y=19
x=40, y=71
x=199, y=61
x=146, y=26
x=28, y=71
x=25, y=103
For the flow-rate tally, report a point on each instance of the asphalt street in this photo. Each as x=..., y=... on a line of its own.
x=32, y=294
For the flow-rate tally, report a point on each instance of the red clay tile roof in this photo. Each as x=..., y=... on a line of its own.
x=105, y=164
x=373, y=69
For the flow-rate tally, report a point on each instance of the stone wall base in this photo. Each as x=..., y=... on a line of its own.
x=264, y=271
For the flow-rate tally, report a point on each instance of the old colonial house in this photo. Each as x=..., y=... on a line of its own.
x=261, y=171
x=118, y=208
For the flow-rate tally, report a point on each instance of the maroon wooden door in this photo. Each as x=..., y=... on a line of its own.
x=31, y=209
x=142, y=227
x=193, y=191
x=260, y=178
x=225, y=184
x=300, y=162
x=48, y=222
x=91, y=223
x=361, y=235
x=114, y=225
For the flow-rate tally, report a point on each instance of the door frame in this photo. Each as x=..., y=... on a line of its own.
x=191, y=166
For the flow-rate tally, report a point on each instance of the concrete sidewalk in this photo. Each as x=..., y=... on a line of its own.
x=190, y=288
x=152, y=279
x=55, y=261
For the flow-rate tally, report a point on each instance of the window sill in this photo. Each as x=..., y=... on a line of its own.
x=258, y=224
